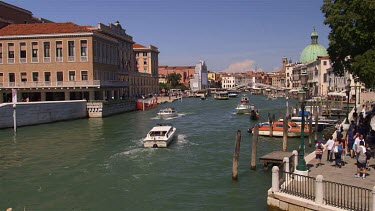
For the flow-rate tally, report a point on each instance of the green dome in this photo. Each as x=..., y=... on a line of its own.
x=311, y=52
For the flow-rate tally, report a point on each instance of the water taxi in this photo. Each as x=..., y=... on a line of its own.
x=147, y=103
x=167, y=113
x=244, y=99
x=159, y=136
x=232, y=93
x=243, y=108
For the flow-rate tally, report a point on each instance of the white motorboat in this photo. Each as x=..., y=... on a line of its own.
x=243, y=108
x=167, y=113
x=159, y=136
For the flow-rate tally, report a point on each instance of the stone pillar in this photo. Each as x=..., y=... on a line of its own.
x=295, y=153
x=286, y=164
x=1, y=97
x=19, y=96
x=105, y=97
x=43, y=96
x=67, y=95
x=91, y=95
x=319, y=190
x=275, y=179
x=373, y=198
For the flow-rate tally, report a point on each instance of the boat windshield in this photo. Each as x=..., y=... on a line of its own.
x=158, y=133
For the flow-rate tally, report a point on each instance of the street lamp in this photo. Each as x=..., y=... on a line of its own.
x=301, y=99
x=347, y=88
x=355, y=115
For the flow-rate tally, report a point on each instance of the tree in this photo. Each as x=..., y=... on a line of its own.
x=352, y=37
x=173, y=79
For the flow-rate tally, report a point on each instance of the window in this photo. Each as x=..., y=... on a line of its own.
x=59, y=51
x=35, y=76
x=145, y=69
x=95, y=51
x=23, y=77
x=84, y=75
x=22, y=52
x=34, y=52
x=71, y=51
x=12, y=78
x=324, y=62
x=1, y=53
x=72, y=75
x=144, y=54
x=59, y=76
x=11, y=53
x=145, y=61
x=47, y=76
x=1, y=77
x=83, y=50
x=47, y=52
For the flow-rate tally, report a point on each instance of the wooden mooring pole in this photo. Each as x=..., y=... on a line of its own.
x=270, y=122
x=310, y=131
x=236, y=155
x=254, y=148
x=285, y=133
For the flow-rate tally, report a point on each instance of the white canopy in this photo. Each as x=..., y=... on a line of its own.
x=341, y=94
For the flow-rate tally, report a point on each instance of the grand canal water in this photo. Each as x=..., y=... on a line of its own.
x=99, y=164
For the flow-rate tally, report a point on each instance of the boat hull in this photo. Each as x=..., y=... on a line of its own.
x=280, y=133
x=159, y=141
x=148, y=104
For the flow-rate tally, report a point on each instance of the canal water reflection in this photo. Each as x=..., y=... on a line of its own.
x=100, y=164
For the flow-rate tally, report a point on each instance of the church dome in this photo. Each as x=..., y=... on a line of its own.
x=311, y=52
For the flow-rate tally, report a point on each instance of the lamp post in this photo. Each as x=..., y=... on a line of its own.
x=301, y=99
x=347, y=87
x=355, y=115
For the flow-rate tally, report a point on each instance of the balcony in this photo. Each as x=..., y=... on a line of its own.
x=62, y=84
x=34, y=60
x=46, y=59
x=1, y=60
x=71, y=58
x=59, y=59
x=10, y=60
x=23, y=61
x=84, y=59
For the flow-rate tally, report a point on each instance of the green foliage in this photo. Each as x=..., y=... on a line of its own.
x=352, y=37
x=173, y=80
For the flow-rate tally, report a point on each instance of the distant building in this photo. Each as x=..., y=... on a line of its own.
x=11, y=14
x=186, y=72
x=200, y=77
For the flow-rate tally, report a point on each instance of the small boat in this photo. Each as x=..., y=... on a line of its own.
x=321, y=125
x=244, y=99
x=232, y=93
x=167, y=112
x=159, y=136
x=221, y=95
x=243, y=108
x=203, y=97
x=294, y=130
x=147, y=103
x=254, y=115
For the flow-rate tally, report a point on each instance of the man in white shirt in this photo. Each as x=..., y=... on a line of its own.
x=329, y=146
x=356, y=143
x=361, y=160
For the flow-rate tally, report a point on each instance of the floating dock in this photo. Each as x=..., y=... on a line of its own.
x=274, y=158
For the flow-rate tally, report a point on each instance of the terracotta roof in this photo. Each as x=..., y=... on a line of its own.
x=136, y=45
x=42, y=28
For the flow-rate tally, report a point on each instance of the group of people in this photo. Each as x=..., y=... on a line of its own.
x=353, y=145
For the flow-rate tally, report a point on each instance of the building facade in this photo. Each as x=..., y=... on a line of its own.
x=65, y=61
x=200, y=77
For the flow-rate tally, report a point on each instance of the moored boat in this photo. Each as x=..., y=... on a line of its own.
x=167, y=113
x=159, y=136
x=147, y=103
x=232, y=93
x=294, y=130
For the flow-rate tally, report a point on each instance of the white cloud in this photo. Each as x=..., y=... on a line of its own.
x=242, y=66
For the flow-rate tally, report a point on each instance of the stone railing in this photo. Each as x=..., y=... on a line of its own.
x=99, y=109
x=46, y=84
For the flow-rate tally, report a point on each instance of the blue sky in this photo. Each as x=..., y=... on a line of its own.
x=230, y=35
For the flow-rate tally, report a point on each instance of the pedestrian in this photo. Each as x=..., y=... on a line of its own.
x=361, y=161
x=337, y=150
x=318, y=153
x=329, y=146
x=357, y=142
x=350, y=137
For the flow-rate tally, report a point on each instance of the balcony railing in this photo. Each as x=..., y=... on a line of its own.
x=59, y=59
x=84, y=59
x=1, y=60
x=71, y=58
x=22, y=60
x=50, y=84
x=10, y=60
x=34, y=60
x=47, y=59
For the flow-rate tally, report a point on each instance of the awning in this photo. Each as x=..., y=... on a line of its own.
x=337, y=94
